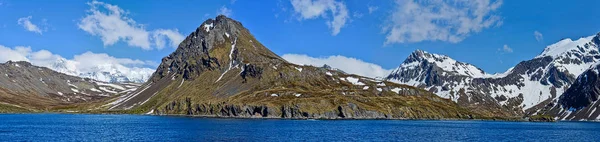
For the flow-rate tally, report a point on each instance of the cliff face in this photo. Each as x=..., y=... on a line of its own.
x=222, y=70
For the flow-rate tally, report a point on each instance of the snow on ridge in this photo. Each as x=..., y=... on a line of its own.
x=111, y=85
x=445, y=63
x=564, y=46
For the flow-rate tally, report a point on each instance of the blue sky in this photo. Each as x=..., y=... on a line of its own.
x=497, y=36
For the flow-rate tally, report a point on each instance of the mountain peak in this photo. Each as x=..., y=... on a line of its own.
x=421, y=59
x=222, y=24
x=219, y=44
x=567, y=45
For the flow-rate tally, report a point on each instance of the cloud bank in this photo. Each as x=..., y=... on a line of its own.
x=346, y=64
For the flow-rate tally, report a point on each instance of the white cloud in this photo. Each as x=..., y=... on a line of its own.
x=225, y=11
x=16, y=54
x=357, y=14
x=349, y=65
x=312, y=9
x=111, y=24
x=86, y=62
x=26, y=23
x=372, y=9
x=440, y=20
x=506, y=49
x=161, y=36
x=538, y=36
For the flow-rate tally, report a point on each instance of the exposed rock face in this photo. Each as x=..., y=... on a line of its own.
x=222, y=70
x=580, y=101
x=39, y=88
x=523, y=89
x=298, y=111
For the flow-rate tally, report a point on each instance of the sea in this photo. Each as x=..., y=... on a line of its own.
x=91, y=127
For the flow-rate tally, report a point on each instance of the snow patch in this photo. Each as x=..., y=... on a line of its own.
x=95, y=90
x=354, y=81
x=230, y=59
x=110, y=85
x=208, y=27
x=107, y=90
x=150, y=112
x=397, y=90
x=182, y=80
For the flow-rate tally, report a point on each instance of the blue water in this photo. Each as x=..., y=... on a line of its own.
x=68, y=127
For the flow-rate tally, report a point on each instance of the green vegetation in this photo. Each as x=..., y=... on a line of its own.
x=541, y=118
x=7, y=108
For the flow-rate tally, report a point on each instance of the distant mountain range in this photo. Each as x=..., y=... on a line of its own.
x=106, y=72
x=530, y=87
x=25, y=87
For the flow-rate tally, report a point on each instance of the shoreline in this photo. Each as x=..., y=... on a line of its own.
x=308, y=119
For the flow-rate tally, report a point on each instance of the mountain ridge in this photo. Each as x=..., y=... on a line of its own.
x=34, y=88
x=523, y=89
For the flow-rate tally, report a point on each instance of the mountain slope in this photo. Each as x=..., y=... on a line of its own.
x=34, y=88
x=524, y=89
x=222, y=70
x=580, y=101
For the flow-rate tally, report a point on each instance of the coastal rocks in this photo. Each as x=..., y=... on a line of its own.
x=297, y=111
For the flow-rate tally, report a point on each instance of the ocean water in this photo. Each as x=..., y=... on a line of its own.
x=80, y=127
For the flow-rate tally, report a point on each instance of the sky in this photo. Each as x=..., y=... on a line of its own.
x=365, y=37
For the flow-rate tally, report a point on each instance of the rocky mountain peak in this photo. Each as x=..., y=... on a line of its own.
x=217, y=44
x=422, y=59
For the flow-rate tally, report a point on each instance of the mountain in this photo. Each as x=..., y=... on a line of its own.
x=25, y=87
x=112, y=73
x=222, y=70
x=522, y=90
x=580, y=101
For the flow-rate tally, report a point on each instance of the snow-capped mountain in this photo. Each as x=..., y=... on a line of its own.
x=113, y=73
x=527, y=87
x=580, y=101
